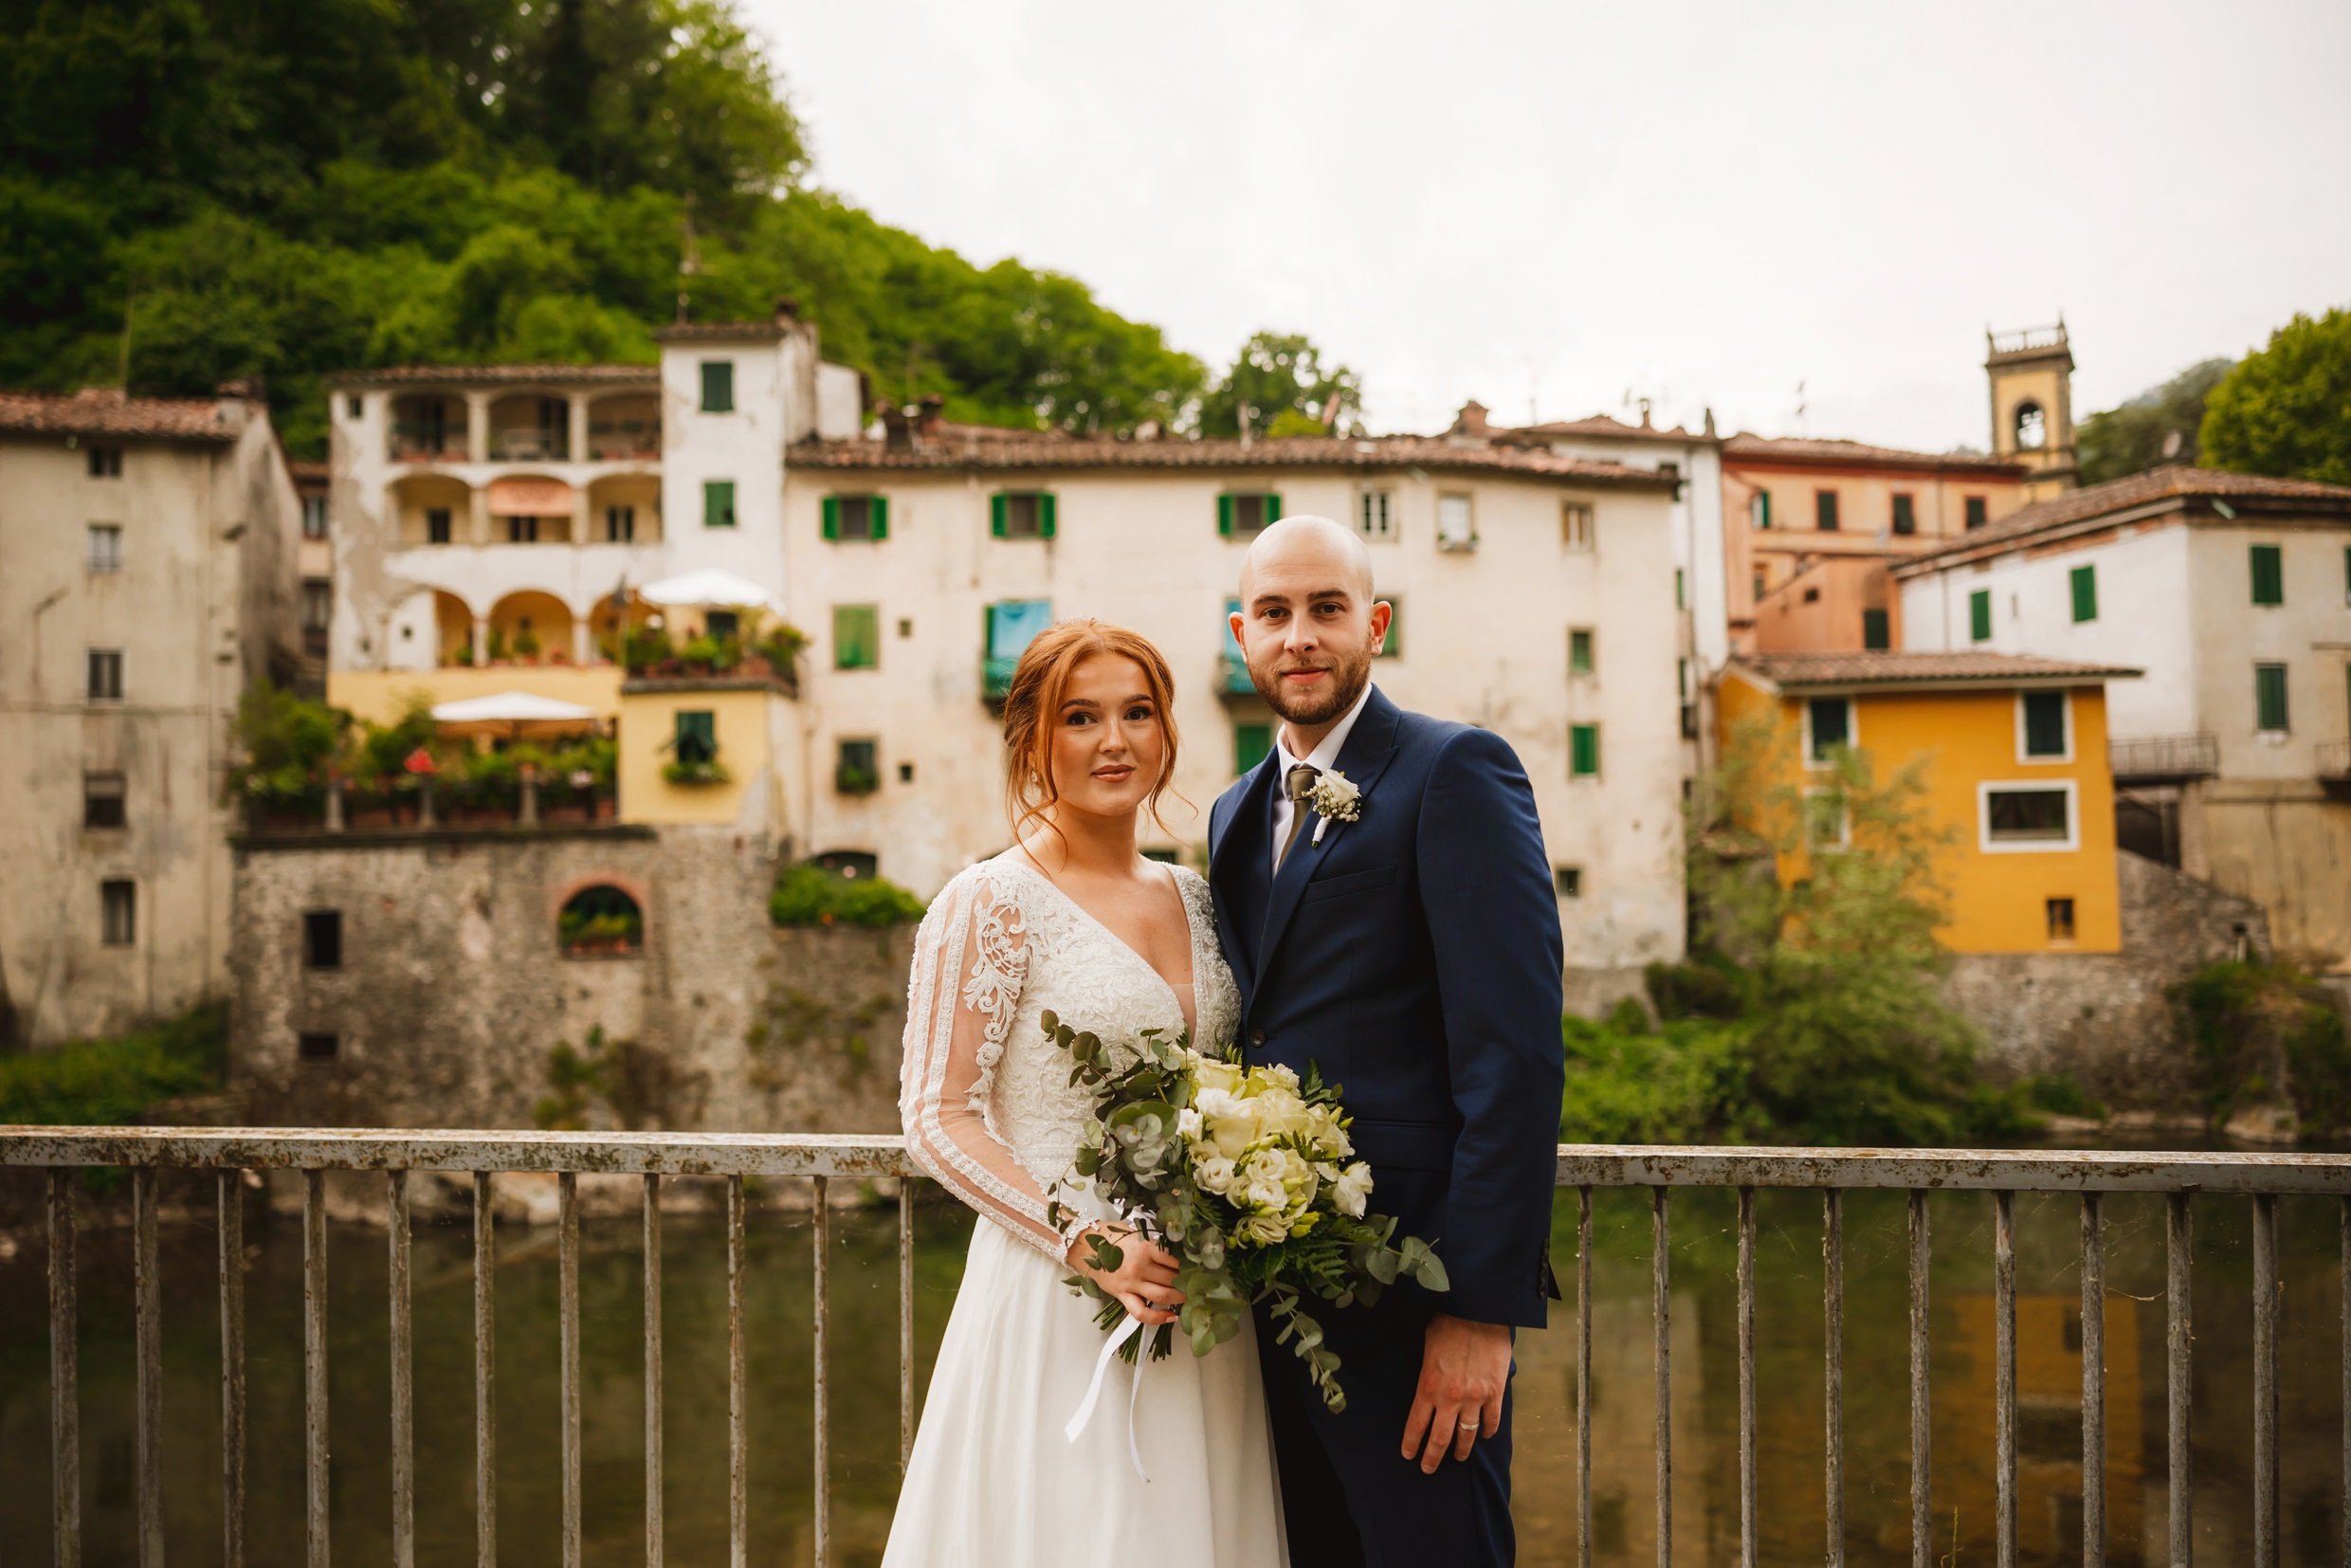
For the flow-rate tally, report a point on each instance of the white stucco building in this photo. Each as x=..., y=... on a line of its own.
x=2233, y=756
x=147, y=577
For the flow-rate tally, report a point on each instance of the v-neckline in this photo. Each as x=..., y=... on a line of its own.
x=1192, y=939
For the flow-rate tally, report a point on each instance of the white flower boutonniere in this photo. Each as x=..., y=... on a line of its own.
x=1335, y=799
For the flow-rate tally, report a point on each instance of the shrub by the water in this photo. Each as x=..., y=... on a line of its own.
x=107, y=1083
x=2252, y=1022
x=812, y=895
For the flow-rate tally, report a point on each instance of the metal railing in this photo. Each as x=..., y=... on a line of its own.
x=2162, y=756
x=822, y=1160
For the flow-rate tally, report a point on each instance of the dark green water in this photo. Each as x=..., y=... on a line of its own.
x=865, y=1434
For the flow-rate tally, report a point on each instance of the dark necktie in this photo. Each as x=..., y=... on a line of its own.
x=1297, y=784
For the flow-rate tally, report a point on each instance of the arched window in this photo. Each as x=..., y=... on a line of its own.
x=2031, y=428
x=601, y=921
x=849, y=865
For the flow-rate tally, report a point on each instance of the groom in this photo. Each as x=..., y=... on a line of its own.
x=1412, y=952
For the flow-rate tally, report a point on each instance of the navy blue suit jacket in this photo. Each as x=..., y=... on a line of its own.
x=1413, y=954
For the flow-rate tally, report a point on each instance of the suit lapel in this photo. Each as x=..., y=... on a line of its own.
x=1238, y=871
x=1370, y=746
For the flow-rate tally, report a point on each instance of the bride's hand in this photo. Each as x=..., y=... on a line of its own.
x=1144, y=1282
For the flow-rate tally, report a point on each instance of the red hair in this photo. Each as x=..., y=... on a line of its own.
x=1040, y=682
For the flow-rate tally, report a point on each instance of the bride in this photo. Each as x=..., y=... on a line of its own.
x=1072, y=920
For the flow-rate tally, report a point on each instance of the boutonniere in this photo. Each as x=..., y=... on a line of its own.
x=1335, y=799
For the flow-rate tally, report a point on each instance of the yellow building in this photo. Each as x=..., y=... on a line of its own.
x=2015, y=769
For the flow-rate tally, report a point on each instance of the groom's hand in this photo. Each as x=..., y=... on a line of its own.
x=1465, y=1370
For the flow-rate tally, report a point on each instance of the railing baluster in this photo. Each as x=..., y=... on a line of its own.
x=65, y=1378
x=567, y=1226
x=738, y=1493
x=230, y=1194
x=1583, y=1376
x=2093, y=1383
x=1921, y=1416
x=1746, y=1377
x=146, y=1291
x=2179, y=1335
x=1661, y=1265
x=820, y=1235
x=402, y=1364
x=1832, y=1312
x=2004, y=1377
x=2265, y=1381
x=652, y=1371
x=485, y=1373
x=314, y=1366
x=905, y=1321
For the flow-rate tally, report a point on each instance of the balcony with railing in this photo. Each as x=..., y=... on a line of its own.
x=427, y=427
x=2164, y=759
x=2109, y=1205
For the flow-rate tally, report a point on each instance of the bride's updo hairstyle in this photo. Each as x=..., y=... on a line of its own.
x=1040, y=682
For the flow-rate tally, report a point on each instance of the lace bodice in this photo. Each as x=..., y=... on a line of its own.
x=985, y=1099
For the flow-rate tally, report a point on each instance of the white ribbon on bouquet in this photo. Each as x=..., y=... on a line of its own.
x=1126, y=1331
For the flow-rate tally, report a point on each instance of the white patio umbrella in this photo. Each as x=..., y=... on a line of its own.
x=512, y=714
x=709, y=587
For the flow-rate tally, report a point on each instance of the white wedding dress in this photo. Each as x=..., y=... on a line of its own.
x=988, y=1111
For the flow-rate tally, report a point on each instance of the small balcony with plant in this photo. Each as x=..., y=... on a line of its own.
x=530, y=427
x=694, y=751
x=743, y=644
x=857, y=768
x=427, y=427
x=625, y=427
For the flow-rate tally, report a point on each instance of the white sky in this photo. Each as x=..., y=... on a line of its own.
x=1702, y=203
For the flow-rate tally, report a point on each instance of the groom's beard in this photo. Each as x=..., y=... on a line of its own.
x=1308, y=709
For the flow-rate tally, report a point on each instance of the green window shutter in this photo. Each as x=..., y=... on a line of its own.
x=1976, y=511
x=1224, y=516
x=718, y=386
x=1905, y=515
x=878, y=510
x=2045, y=723
x=2270, y=697
x=1251, y=742
x=2085, y=580
x=696, y=739
x=1874, y=632
x=2269, y=575
x=2346, y=573
x=1765, y=515
x=995, y=514
x=1979, y=615
x=1273, y=509
x=1046, y=513
x=1584, y=751
x=832, y=516
x=718, y=503
x=856, y=636
x=1580, y=651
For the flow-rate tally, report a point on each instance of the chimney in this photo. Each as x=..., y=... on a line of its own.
x=240, y=390
x=1471, y=420
x=1710, y=425
x=787, y=311
x=896, y=431
x=930, y=412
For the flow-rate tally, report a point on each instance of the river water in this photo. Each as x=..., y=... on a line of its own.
x=1789, y=1331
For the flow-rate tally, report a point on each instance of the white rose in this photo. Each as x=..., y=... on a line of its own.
x=1351, y=1193
x=1264, y=1229
x=1187, y=1122
x=1214, y=1173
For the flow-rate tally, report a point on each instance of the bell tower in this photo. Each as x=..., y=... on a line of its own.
x=2031, y=376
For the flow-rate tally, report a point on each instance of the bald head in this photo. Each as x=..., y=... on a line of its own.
x=1306, y=548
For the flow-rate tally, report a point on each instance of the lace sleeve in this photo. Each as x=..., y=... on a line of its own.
x=970, y=958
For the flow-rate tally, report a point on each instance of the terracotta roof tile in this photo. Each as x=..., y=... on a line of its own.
x=104, y=410
x=1046, y=451
x=492, y=376
x=730, y=331
x=1838, y=453
x=2173, y=481
x=1798, y=672
x=1602, y=426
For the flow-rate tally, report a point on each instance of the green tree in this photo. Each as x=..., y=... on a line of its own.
x=2286, y=410
x=2159, y=426
x=1283, y=381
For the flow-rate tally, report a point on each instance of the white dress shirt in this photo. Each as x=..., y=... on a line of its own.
x=1324, y=756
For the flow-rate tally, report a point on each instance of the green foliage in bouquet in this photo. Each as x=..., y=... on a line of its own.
x=1244, y=1174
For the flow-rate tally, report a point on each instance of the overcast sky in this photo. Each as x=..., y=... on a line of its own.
x=1705, y=202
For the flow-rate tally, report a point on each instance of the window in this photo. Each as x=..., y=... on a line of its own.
x=1905, y=515
x=1580, y=650
x=1825, y=510
x=856, y=768
x=856, y=636
x=600, y=921
x=1376, y=514
x=521, y=530
x=1976, y=515
x=436, y=525
x=2027, y=817
x=1247, y=514
x=1392, y=646
x=317, y=1047
x=1577, y=528
x=1811, y=595
x=721, y=624
x=322, y=938
x=105, y=675
x=1456, y=528
x=318, y=602
x=718, y=386
x=103, y=800
x=856, y=517
x=1013, y=624
x=106, y=463
x=2044, y=734
x=1875, y=634
x=2060, y=920
x=905, y=627
x=354, y=406
x=1828, y=723
x=1569, y=880
x=2270, y=699
x=1030, y=514
x=1759, y=509
x=849, y=865
x=1827, y=822
x=1758, y=585
x=2085, y=581
x=1679, y=576
x=1979, y=615
x=718, y=503
x=905, y=772
x=2269, y=575
x=1583, y=750
x=620, y=525
x=117, y=913
x=694, y=737
x=1251, y=742
x=314, y=517
x=2031, y=427
x=105, y=547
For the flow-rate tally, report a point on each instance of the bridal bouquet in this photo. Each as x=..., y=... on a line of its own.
x=1245, y=1175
